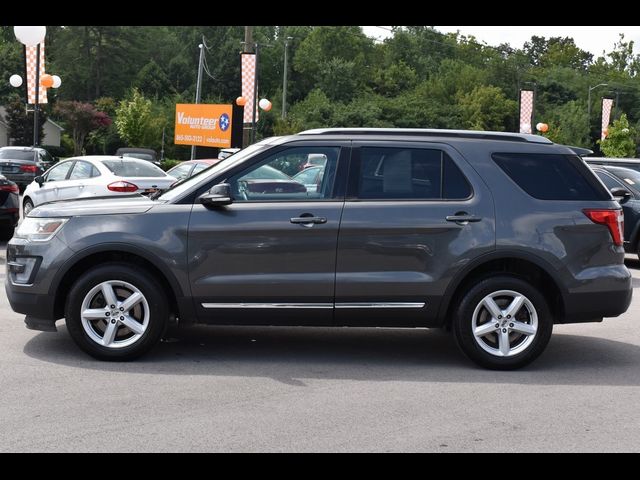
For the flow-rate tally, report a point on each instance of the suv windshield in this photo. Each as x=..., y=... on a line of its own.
x=133, y=168
x=628, y=176
x=181, y=187
x=17, y=154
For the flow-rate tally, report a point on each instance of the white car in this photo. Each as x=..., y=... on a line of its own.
x=95, y=176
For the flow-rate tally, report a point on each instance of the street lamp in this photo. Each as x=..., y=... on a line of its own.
x=31, y=36
x=589, y=105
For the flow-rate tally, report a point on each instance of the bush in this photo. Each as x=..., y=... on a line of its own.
x=167, y=164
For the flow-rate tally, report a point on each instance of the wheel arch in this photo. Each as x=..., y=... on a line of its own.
x=529, y=267
x=112, y=252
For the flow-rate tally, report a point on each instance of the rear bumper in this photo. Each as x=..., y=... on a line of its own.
x=607, y=296
x=22, y=179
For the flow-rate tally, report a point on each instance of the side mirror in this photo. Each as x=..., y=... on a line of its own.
x=218, y=196
x=621, y=194
x=39, y=180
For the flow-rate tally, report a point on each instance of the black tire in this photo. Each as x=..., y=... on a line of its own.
x=462, y=323
x=27, y=206
x=153, y=294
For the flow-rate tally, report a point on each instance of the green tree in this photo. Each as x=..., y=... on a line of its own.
x=133, y=117
x=568, y=124
x=620, y=141
x=153, y=81
x=486, y=108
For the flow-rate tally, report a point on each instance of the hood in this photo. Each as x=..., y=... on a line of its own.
x=94, y=206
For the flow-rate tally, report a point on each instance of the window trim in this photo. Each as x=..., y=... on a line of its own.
x=355, y=165
x=337, y=193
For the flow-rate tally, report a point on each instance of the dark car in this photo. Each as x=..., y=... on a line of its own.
x=189, y=168
x=9, y=207
x=632, y=163
x=624, y=184
x=22, y=164
x=141, y=153
x=494, y=236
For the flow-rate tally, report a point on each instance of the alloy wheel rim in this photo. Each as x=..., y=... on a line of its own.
x=115, y=314
x=27, y=207
x=504, y=323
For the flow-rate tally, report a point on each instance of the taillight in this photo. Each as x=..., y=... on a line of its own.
x=28, y=168
x=613, y=219
x=9, y=187
x=122, y=186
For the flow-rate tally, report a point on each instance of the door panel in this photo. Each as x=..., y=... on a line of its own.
x=269, y=257
x=247, y=258
x=397, y=256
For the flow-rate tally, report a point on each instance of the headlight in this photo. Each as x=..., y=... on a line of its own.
x=39, y=229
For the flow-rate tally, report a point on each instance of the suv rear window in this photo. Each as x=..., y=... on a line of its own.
x=552, y=176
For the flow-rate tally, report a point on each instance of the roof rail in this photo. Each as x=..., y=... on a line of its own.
x=430, y=132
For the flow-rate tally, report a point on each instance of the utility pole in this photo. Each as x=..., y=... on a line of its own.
x=589, y=104
x=36, y=107
x=247, y=48
x=284, y=79
x=198, y=87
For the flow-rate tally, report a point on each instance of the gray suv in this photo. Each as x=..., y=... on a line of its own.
x=495, y=236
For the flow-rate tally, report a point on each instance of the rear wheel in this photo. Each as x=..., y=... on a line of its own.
x=27, y=206
x=116, y=312
x=503, y=323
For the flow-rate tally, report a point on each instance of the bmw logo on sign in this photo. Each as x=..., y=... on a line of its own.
x=224, y=122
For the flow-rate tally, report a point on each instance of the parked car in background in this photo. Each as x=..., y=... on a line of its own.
x=141, y=153
x=22, y=164
x=492, y=235
x=189, y=168
x=624, y=185
x=227, y=152
x=310, y=177
x=315, y=160
x=95, y=176
x=9, y=207
x=632, y=163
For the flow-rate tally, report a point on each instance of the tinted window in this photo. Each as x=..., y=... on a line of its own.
x=551, y=177
x=133, y=168
x=81, y=170
x=411, y=173
x=18, y=154
x=631, y=178
x=608, y=181
x=270, y=179
x=59, y=172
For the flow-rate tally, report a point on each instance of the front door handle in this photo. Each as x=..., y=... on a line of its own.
x=462, y=218
x=308, y=220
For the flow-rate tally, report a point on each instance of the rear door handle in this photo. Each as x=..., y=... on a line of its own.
x=463, y=218
x=308, y=220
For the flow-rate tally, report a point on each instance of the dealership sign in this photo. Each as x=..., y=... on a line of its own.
x=203, y=125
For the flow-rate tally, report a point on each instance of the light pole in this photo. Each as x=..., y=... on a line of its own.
x=198, y=87
x=589, y=105
x=284, y=77
x=29, y=37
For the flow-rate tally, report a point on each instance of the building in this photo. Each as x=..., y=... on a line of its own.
x=52, y=132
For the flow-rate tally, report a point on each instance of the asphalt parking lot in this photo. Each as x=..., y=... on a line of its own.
x=294, y=389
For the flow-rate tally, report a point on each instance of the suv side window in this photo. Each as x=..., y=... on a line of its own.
x=551, y=176
x=271, y=179
x=59, y=172
x=409, y=173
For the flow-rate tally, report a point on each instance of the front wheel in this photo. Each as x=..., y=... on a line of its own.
x=116, y=312
x=503, y=323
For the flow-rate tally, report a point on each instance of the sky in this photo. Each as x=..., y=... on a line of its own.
x=592, y=39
